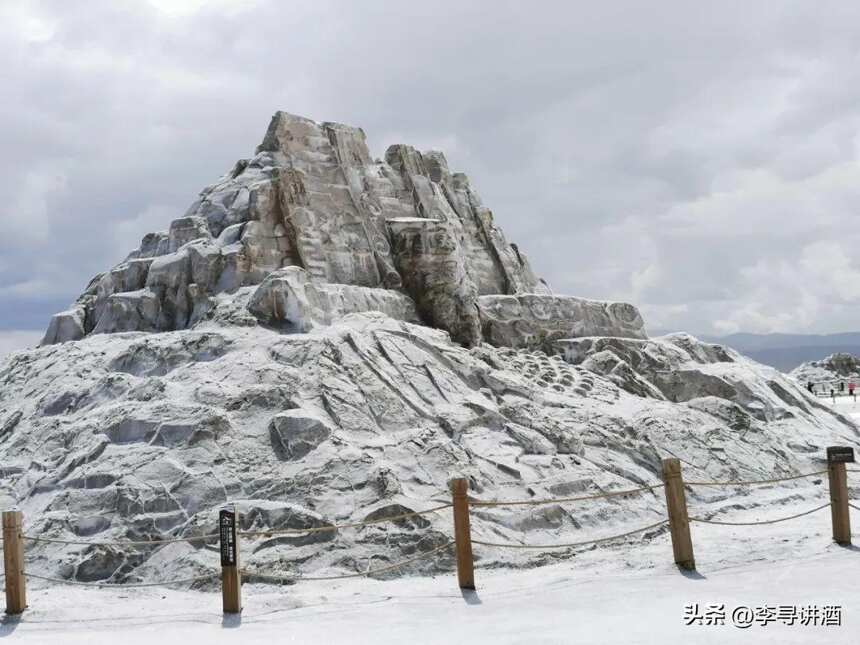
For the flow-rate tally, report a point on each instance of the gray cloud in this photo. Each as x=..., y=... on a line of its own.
x=697, y=159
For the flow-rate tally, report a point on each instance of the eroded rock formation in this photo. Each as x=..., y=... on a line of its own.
x=313, y=198
x=291, y=299
x=530, y=320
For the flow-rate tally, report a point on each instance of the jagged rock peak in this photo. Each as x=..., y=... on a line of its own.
x=313, y=198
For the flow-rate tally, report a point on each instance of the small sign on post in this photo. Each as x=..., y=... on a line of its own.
x=227, y=527
x=840, y=455
x=837, y=457
x=231, y=580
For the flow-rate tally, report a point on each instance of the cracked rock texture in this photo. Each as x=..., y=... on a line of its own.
x=530, y=320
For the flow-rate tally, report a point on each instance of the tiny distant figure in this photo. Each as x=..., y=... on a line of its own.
x=810, y=387
x=833, y=394
x=851, y=391
x=841, y=386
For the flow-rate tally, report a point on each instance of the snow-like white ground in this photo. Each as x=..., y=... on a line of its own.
x=845, y=405
x=629, y=594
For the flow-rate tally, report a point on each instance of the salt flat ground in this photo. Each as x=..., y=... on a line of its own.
x=844, y=404
x=627, y=594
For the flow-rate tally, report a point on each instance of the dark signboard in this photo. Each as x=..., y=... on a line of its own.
x=840, y=455
x=227, y=530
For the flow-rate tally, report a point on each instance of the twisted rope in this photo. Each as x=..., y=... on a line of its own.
x=195, y=538
x=756, y=481
x=781, y=519
x=336, y=527
x=508, y=545
x=120, y=585
x=370, y=572
x=559, y=500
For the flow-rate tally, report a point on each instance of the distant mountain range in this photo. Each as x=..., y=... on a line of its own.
x=787, y=351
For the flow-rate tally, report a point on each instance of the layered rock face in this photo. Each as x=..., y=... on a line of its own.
x=313, y=198
x=529, y=320
x=291, y=299
x=427, y=253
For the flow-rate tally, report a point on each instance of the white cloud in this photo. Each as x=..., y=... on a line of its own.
x=701, y=160
x=30, y=25
x=186, y=8
x=28, y=211
x=830, y=269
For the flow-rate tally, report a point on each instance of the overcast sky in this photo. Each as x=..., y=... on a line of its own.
x=697, y=159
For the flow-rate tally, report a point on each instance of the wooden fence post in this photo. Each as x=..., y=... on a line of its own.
x=679, y=523
x=231, y=578
x=13, y=562
x=836, y=458
x=463, y=534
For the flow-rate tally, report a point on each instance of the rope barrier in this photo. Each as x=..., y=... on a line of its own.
x=508, y=545
x=196, y=538
x=781, y=519
x=120, y=585
x=756, y=481
x=856, y=508
x=336, y=527
x=396, y=565
x=421, y=556
x=559, y=500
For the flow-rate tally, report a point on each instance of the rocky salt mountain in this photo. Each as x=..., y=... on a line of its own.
x=325, y=338
x=836, y=368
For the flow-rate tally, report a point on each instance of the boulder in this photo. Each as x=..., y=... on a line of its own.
x=537, y=321
x=66, y=326
x=186, y=229
x=295, y=433
x=130, y=311
x=292, y=300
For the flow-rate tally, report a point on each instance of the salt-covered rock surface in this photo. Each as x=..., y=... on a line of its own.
x=312, y=198
x=833, y=369
x=139, y=436
x=325, y=339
